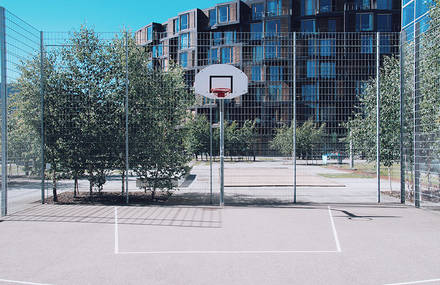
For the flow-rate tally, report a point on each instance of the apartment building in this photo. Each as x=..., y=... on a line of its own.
x=257, y=37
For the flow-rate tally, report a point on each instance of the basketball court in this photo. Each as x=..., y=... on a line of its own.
x=304, y=244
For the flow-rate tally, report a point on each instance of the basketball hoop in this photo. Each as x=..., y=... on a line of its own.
x=220, y=92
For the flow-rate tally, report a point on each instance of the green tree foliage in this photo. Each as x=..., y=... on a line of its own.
x=309, y=137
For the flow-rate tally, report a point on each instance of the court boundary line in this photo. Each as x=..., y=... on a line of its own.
x=22, y=282
x=117, y=251
x=415, y=282
x=335, y=233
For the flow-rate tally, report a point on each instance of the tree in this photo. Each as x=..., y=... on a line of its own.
x=362, y=128
x=157, y=112
x=309, y=135
x=197, y=138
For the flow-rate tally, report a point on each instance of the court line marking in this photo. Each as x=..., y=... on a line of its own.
x=116, y=232
x=22, y=282
x=228, y=252
x=415, y=282
x=335, y=233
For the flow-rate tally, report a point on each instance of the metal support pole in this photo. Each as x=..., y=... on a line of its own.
x=378, y=115
x=42, y=115
x=416, y=117
x=294, y=118
x=402, y=122
x=222, y=106
x=126, y=118
x=4, y=102
x=351, y=153
x=210, y=151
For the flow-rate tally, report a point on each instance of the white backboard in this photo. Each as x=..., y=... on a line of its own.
x=221, y=76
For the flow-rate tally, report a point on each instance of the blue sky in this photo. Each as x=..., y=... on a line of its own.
x=103, y=15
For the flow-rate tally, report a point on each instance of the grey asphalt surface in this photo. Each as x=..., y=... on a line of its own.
x=208, y=245
x=334, y=235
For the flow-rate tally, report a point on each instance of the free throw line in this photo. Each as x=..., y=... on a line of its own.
x=335, y=233
x=416, y=282
x=228, y=252
x=22, y=282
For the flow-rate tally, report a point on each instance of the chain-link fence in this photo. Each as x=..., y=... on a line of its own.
x=420, y=114
x=120, y=122
x=21, y=116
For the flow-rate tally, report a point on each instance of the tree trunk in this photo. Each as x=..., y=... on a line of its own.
x=389, y=178
x=90, y=181
x=75, y=186
x=54, y=184
x=123, y=182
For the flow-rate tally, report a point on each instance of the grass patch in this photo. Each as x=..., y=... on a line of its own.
x=369, y=169
x=346, y=175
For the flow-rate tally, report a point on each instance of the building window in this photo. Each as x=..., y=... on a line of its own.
x=308, y=26
x=309, y=93
x=230, y=37
x=217, y=38
x=165, y=31
x=274, y=7
x=176, y=26
x=213, y=56
x=272, y=28
x=364, y=22
x=212, y=17
x=258, y=94
x=308, y=7
x=256, y=73
x=328, y=70
x=256, y=31
x=272, y=49
x=422, y=7
x=257, y=53
x=384, y=23
x=331, y=26
x=385, y=44
x=223, y=14
x=383, y=4
x=312, y=46
x=327, y=47
x=149, y=33
x=158, y=50
x=363, y=4
x=184, y=59
x=257, y=11
x=184, y=41
x=275, y=73
x=227, y=55
x=184, y=22
x=325, y=6
x=311, y=69
x=366, y=44
x=408, y=14
x=275, y=92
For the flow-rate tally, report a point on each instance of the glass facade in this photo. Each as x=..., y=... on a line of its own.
x=366, y=44
x=311, y=68
x=328, y=70
x=415, y=11
x=308, y=7
x=327, y=47
x=325, y=6
x=226, y=55
x=257, y=11
x=257, y=31
x=384, y=22
x=308, y=26
x=184, y=41
x=272, y=49
x=383, y=4
x=184, y=22
x=274, y=7
x=256, y=73
x=272, y=27
x=223, y=14
x=364, y=22
x=184, y=59
x=213, y=56
x=212, y=17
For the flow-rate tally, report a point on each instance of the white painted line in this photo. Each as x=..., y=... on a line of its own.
x=415, y=282
x=229, y=252
x=116, y=232
x=335, y=233
x=22, y=282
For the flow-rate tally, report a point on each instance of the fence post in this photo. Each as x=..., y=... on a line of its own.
x=416, y=119
x=402, y=121
x=294, y=118
x=378, y=114
x=210, y=151
x=126, y=117
x=4, y=103
x=42, y=115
